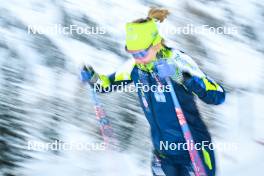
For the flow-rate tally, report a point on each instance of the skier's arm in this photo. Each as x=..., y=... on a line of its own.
x=108, y=83
x=197, y=82
x=206, y=89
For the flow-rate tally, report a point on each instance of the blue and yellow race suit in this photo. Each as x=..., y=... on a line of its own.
x=160, y=112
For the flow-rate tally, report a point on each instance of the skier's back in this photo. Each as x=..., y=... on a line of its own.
x=147, y=48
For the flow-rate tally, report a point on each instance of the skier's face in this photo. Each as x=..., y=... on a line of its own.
x=150, y=56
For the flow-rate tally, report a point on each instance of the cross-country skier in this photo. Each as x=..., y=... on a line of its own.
x=145, y=44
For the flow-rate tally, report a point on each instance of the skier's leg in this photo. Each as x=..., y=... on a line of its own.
x=156, y=165
x=208, y=158
x=168, y=165
x=170, y=170
x=177, y=170
x=186, y=170
x=163, y=166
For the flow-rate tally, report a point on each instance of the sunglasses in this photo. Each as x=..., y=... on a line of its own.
x=139, y=54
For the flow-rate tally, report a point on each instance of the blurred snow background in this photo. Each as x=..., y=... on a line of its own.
x=41, y=97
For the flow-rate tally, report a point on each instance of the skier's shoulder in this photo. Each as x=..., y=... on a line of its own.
x=183, y=57
x=178, y=54
x=185, y=62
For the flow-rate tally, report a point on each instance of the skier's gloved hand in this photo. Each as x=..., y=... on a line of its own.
x=164, y=69
x=89, y=75
x=167, y=68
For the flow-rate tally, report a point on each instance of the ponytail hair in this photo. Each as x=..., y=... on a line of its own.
x=158, y=14
x=154, y=13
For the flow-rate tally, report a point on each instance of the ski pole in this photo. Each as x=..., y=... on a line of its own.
x=104, y=123
x=164, y=71
x=195, y=158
